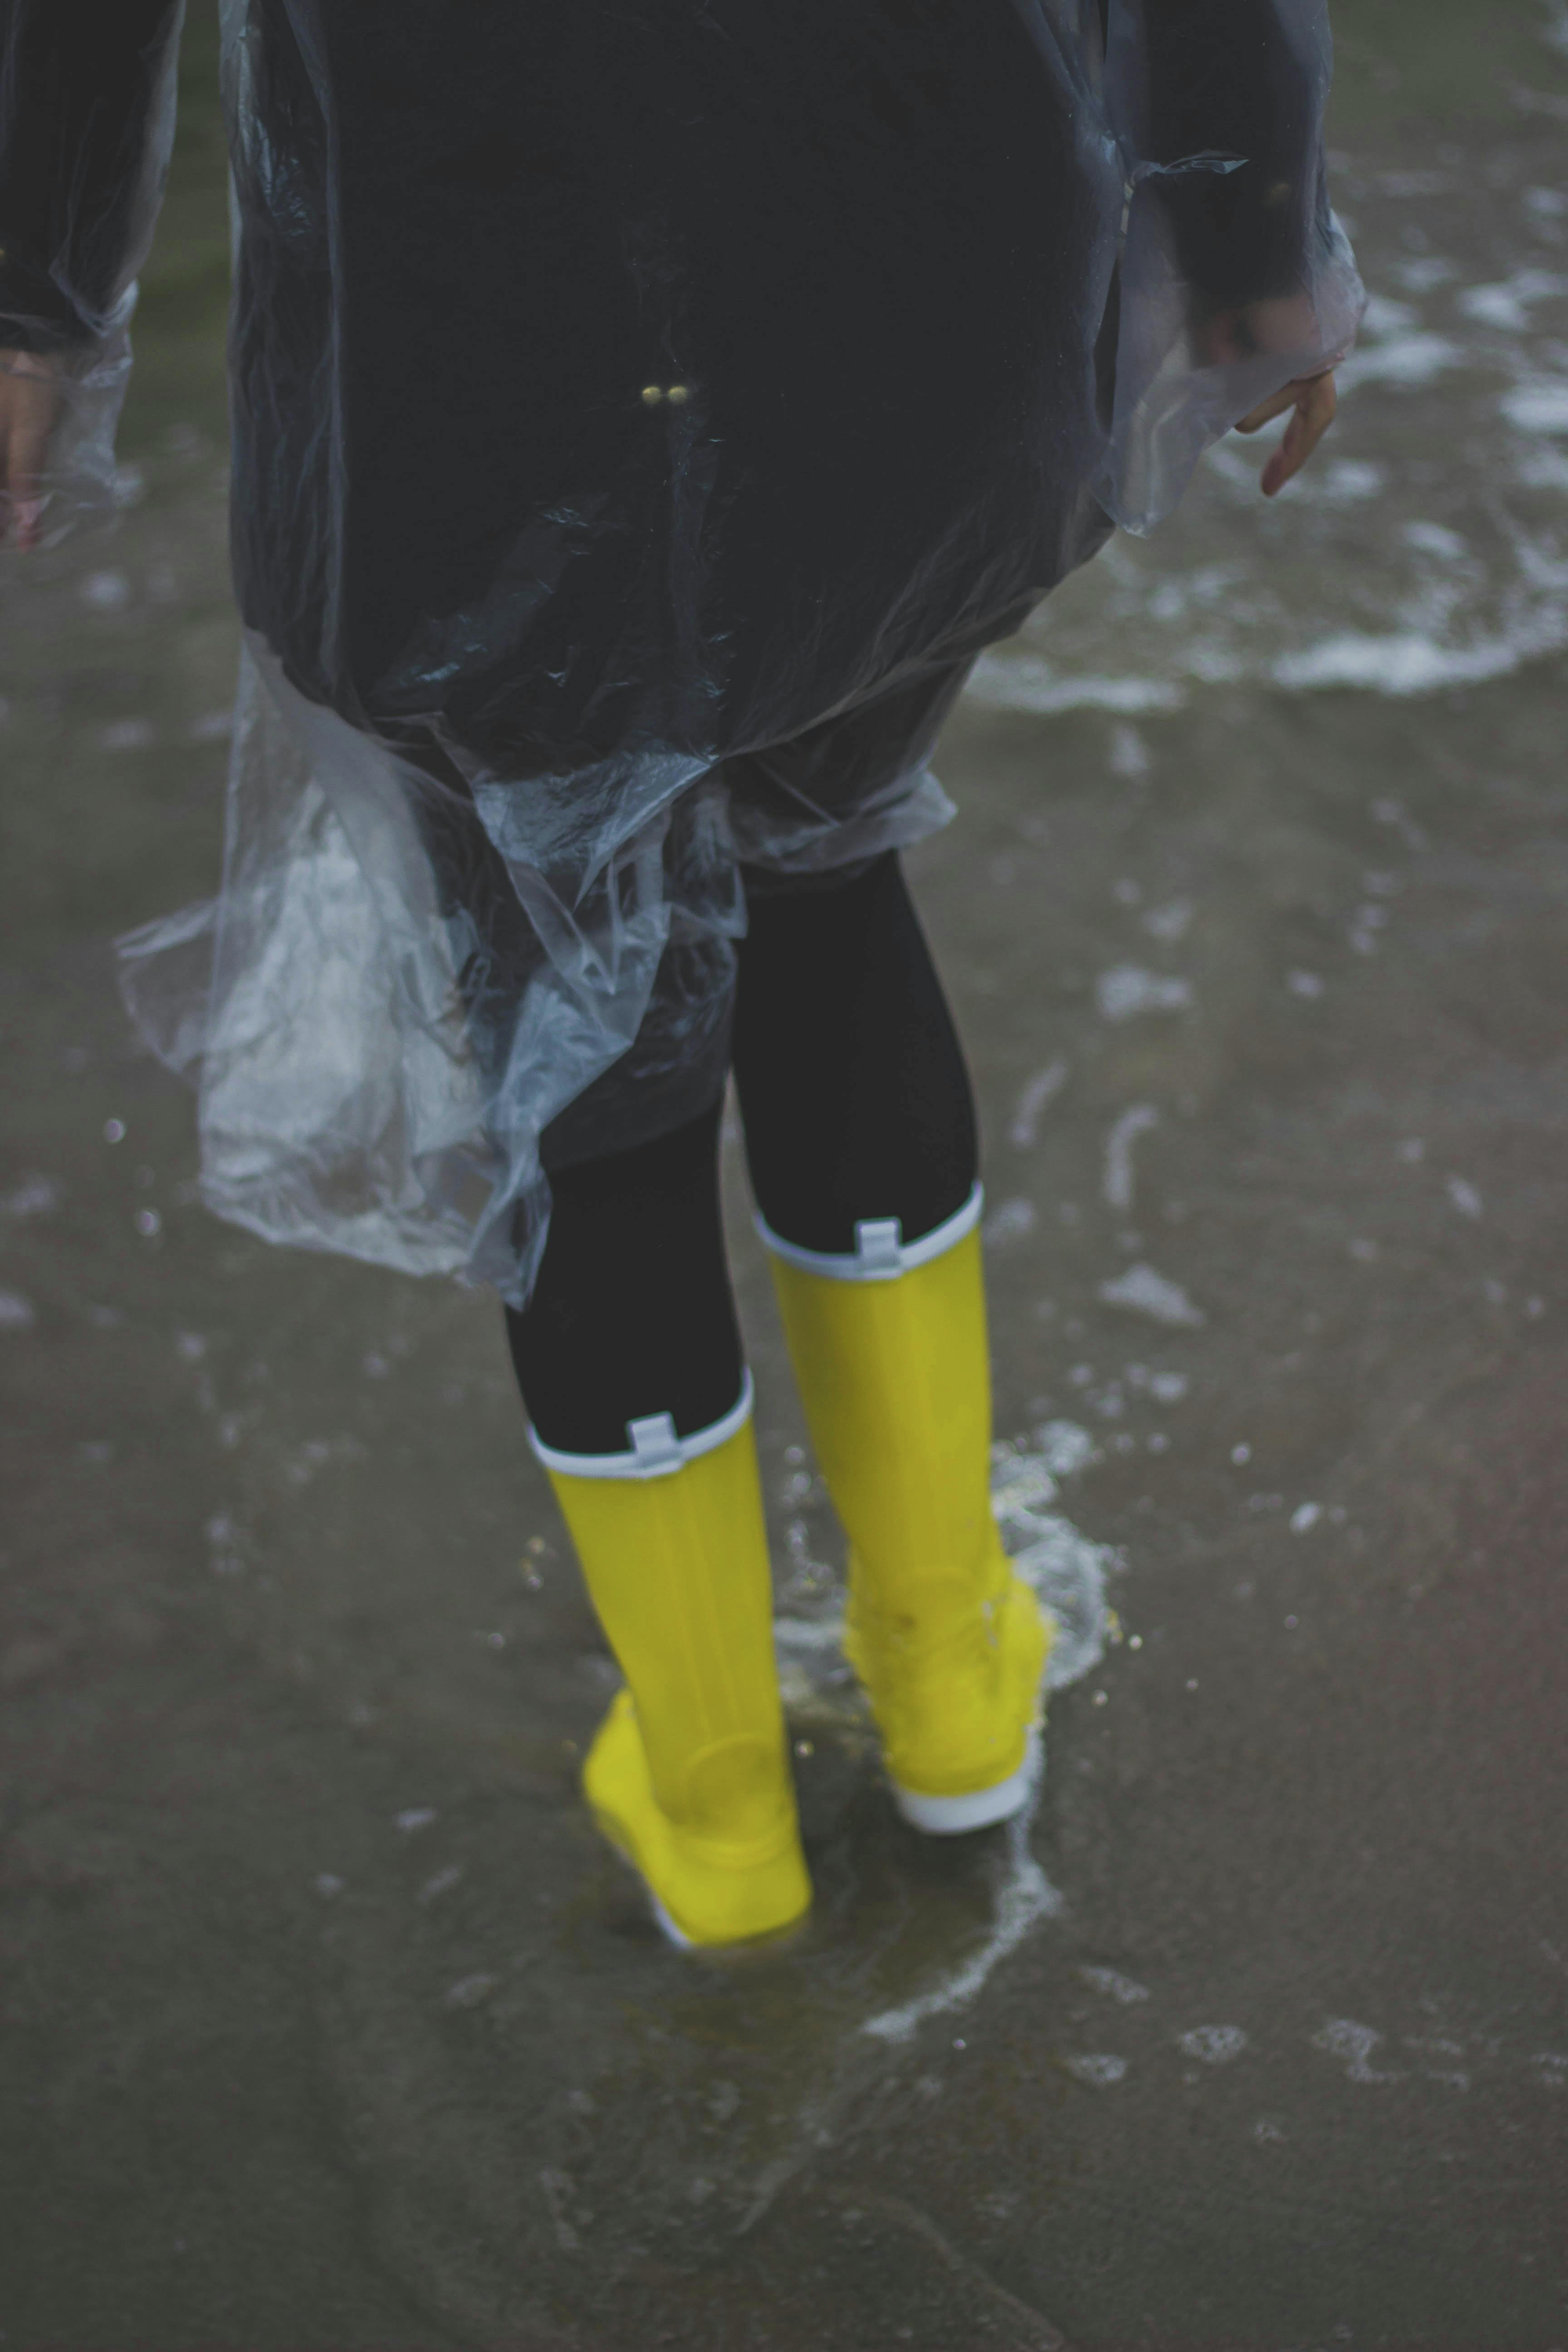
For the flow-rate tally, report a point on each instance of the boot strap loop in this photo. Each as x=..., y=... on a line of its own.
x=655, y=1451
x=881, y=1254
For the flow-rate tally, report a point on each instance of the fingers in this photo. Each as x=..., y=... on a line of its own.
x=1268, y=409
x=1316, y=404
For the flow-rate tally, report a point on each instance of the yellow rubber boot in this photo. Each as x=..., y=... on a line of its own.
x=689, y=1776
x=889, y=1350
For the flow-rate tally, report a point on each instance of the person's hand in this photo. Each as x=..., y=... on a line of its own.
x=1282, y=323
x=30, y=398
x=1314, y=401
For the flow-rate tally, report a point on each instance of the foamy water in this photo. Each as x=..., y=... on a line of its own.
x=1070, y=1573
x=1425, y=546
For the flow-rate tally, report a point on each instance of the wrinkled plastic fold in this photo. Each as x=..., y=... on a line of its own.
x=641, y=418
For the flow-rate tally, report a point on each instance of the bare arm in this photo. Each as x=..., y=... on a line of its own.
x=30, y=401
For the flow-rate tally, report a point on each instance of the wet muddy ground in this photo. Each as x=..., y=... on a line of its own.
x=328, y=2024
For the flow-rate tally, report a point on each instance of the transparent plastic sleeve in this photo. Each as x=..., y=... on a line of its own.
x=87, y=121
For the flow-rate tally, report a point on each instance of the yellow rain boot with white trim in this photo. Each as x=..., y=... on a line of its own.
x=889, y=1351
x=689, y=1776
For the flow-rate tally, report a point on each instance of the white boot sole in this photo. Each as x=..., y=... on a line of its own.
x=980, y=1808
x=665, y=1924
x=768, y=1941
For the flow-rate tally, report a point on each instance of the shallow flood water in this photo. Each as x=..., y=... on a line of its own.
x=329, y=2026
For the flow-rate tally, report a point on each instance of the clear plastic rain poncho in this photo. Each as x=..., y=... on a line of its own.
x=618, y=393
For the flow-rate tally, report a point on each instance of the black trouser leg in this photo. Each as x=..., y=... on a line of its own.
x=632, y=1313
x=857, y=1104
x=852, y=1078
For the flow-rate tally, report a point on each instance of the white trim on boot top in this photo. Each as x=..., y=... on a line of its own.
x=979, y=1808
x=881, y=1253
x=656, y=1450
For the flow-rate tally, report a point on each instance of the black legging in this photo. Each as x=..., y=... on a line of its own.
x=855, y=1103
